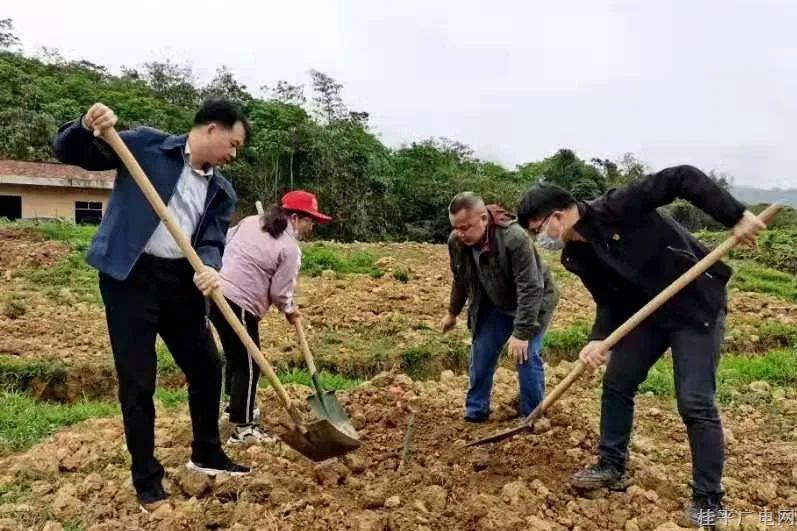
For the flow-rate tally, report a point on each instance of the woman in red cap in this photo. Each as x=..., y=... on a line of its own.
x=260, y=268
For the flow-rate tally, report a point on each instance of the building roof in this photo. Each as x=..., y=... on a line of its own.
x=53, y=174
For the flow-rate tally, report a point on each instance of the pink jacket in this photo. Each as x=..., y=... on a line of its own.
x=258, y=270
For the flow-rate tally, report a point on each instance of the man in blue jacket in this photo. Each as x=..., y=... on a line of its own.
x=147, y=284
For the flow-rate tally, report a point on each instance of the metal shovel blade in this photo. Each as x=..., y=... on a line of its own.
x=501, y=435
x=323, y=440
x=326, y=406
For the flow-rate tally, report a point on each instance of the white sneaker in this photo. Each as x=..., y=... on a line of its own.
x=249, y=434
x=255, y=413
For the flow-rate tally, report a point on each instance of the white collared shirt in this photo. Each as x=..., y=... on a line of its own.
x=186, y=205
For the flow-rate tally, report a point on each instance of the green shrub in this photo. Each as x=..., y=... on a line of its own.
x=320, y=257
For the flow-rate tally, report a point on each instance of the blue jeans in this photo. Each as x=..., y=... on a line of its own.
x=493, y=331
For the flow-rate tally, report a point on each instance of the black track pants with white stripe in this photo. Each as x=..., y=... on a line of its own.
x=241, y=373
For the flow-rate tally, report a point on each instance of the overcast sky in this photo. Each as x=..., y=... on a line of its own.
x=711, y=83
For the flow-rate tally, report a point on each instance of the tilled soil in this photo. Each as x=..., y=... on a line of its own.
x=348, y=319
x=82, y=473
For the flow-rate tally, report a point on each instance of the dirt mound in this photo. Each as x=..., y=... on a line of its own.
x=24, y=248
x=82, y=473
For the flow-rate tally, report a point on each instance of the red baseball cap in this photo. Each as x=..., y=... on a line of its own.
x=301, y=201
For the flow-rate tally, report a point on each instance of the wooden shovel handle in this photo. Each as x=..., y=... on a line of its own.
x=302, y=339
x=643, y=313
x=115, y=141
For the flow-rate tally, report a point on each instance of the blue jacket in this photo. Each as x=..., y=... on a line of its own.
x=129, y=220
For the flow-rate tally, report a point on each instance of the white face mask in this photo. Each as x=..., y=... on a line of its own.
x=548, y=242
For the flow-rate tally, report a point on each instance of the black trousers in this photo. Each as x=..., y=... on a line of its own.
x=241, y=373
x=695, y=353
x=159, y=297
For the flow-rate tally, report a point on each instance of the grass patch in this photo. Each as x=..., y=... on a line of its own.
x=14, y=306
x=565, y=343
x=763, y=336
x=401, y=275
x=753, y=277
x=385, y=346
x=17, y=374
x=773, y=334
x=329, y=380
x=74, y=525
x=24, y=421
x=70, y=279
x=77, y=236
x=319, y=257
x=776, y=249
x=166, y=363
x=434, y=354
x=415, y=360
x=660, y=379
x=171, y=397
x=776, y=367
x=15, y=492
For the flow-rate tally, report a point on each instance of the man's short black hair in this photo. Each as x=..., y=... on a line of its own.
x=541, y=200
x=221, y=111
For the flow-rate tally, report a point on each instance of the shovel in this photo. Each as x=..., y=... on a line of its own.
x=324, y=402
x=317, y=440
x=643, y=313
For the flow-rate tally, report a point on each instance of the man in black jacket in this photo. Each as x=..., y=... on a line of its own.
x=626, y=251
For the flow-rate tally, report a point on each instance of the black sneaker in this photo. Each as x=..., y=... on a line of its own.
x=598, y=477
x=476, y=419
x=216, y=465
x=704, y=511
x=152, y=497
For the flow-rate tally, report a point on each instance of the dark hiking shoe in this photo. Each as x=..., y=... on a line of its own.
x=218, y=464
x=704, y=511
x=152, y=497
x=599, y=476
x=476, y=419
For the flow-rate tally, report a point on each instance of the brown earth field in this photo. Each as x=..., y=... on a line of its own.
x=413, y=470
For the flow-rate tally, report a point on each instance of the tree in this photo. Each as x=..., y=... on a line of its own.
x=565, y=169
x=172, y=82
x=692, y=217
x=286, y=93
x=279, y=132
x=631, y=169
x=8, y=38
x=723, y=180
x=50, y=56
x=224, y=85
x=326, y=95
x=359, y=118
x=373, y=192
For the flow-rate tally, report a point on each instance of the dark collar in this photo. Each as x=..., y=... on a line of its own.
x=174, y=142
x=588, y=225
x=486, y=245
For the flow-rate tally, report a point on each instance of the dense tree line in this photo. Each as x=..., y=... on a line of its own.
x=318, y=143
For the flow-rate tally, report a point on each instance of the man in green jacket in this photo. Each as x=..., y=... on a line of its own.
x=512, y=297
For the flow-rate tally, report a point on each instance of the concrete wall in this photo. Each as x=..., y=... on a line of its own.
x=52, y=202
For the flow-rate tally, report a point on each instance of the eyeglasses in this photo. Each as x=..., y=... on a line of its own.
x=536, y=231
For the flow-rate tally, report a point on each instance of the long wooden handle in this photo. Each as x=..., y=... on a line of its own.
x=127, y=158
x=308, y=356
x=643, y=313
